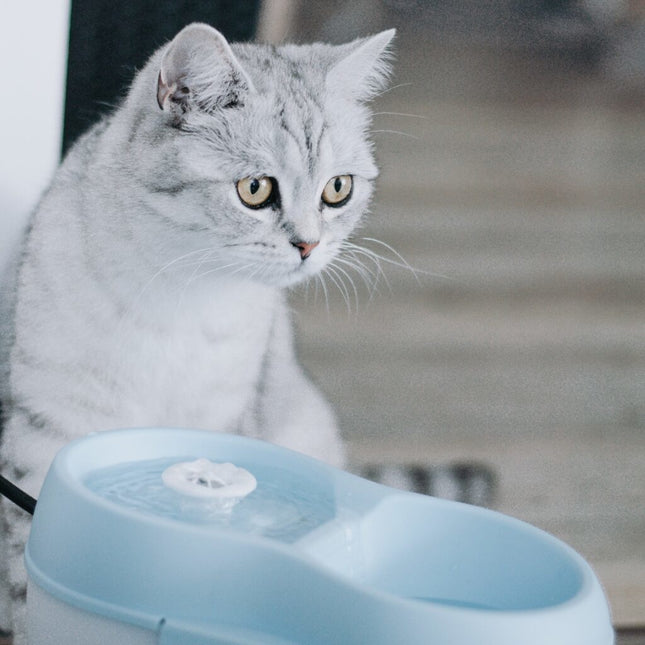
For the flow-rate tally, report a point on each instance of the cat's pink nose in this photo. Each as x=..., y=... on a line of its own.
x=305, y=248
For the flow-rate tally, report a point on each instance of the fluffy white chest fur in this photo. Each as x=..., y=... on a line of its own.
x=187, y=365
x=204, y=370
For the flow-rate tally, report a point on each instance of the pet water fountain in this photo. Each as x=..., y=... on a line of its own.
x=181, y=537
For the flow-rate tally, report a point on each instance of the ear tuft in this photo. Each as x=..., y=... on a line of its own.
x=199, y=70
x=363, y=70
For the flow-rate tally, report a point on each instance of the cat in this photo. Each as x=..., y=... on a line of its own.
x=150, y=288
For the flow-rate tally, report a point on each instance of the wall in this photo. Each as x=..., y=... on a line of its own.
x=33, y=51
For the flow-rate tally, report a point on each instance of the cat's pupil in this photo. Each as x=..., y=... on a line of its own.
x=338, y=184
x=254, y=187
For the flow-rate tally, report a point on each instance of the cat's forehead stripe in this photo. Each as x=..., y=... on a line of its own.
x=306, y=134
x=300, y=107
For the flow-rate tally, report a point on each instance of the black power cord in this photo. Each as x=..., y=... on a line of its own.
x=17, y=495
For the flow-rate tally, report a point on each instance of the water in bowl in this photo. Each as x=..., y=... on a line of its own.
x=283, y=507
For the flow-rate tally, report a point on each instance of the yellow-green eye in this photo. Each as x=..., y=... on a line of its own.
x=255, y=192
x=338, y=190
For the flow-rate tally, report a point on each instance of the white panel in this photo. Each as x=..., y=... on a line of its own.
x=33, y=58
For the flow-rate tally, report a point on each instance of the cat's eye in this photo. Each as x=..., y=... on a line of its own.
x=255, y=192
x=338, y=190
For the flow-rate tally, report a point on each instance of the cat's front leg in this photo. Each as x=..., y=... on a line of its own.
x=6, y=628
x=16, y=526
x=27, y=452
x=289, y=410
x=308, y=424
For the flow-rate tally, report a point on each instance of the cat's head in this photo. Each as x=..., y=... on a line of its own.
x=261, y=154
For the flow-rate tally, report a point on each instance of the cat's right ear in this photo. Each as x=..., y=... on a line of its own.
x=200, y=71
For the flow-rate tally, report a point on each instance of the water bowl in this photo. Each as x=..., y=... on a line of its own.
x=182, y=537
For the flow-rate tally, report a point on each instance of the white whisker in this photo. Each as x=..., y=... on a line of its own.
x=174, y=264
x=241, y=268
x=346, y=275
x=414, y=116
x=403, y=134
x=177, y=262
x=321, y=278
x=369, y=277
x=219, y=268
x=334, y=277
x=375, y=258
x=393, y=87
x=402, y=263
x=192, y=277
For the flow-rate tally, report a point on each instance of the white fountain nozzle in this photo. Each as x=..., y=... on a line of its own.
x=208, y=480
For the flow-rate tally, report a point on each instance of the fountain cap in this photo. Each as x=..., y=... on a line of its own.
x=209, y=480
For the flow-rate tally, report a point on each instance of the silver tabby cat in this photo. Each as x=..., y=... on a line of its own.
x=150, y=287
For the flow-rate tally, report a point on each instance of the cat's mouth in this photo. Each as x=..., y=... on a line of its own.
x=289, y=275
x=300, y=274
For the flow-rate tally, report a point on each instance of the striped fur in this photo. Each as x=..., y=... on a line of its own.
x=148, y=293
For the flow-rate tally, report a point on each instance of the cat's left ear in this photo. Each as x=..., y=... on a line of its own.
x=199, y=70
x=363, y=69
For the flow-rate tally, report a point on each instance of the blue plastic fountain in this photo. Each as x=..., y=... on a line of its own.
x=182, y=537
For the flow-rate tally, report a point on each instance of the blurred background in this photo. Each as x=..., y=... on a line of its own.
x=512, y=149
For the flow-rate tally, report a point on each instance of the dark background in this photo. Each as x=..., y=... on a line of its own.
x=111, y=39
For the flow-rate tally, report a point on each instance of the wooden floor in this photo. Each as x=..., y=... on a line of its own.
x=518, y=191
